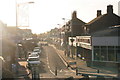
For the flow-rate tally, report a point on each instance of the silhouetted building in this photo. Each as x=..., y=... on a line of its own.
x=102, y=22
x=76, y=25
x=73, y=28
x=100, y=49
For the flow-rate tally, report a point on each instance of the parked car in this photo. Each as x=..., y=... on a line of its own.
x=72, y=64
x=44, y=43
x=37, y=49
x=34, y=54
x=33, y=61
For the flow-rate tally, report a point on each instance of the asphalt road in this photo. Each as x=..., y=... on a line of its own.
x=50, y=62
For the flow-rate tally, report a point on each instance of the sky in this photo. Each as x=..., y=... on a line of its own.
x=44, y=15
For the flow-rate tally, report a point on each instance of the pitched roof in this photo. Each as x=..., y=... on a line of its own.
x=100, y=18
x=77, y=21
x=96, y=19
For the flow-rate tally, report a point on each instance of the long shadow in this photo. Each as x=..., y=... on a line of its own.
x=42, y=64
x=42, y=68
x=42, y=54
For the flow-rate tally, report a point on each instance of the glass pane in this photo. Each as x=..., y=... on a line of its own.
x=118, y=53
x=111, y=53
x=96, y=53
x=103, y=53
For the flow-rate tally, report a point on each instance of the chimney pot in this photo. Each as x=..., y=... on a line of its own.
x=74, y=15
x=98, y=13
x=109, y=9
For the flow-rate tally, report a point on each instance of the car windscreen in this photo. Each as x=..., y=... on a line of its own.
x=72, y=63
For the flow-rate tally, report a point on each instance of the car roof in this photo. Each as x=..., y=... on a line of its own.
x=37, y=48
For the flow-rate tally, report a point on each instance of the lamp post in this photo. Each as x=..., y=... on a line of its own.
x=65, y=40
x=59, y=34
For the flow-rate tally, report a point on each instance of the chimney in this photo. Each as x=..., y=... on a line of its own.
x=109, y=9
x=98, y=13
x=74, y=15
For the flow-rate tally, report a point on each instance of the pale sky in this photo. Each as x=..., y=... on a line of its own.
x=46, y=14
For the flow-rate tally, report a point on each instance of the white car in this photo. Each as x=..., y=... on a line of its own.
x=33, y=61
x=37, y=50
x=34, y=54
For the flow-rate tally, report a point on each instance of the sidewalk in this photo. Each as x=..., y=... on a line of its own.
x=83, y=68
x=22, y=70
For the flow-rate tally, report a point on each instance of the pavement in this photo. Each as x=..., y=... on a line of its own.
x=83, y=68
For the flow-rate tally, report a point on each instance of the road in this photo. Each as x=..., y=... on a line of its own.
x=50, y=61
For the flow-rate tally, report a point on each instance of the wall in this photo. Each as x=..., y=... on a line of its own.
x=105, y=41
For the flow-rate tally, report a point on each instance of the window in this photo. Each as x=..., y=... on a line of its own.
x=107, y=53
x=103, y=53
x=118, y=53
x=111, y=53
x=96, y=53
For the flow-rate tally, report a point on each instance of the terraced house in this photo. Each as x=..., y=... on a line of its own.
x=100, y=34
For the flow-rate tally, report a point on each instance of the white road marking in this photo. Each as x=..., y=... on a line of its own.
x=52, y=72
x=61, y=70
x=61, y=57
x=49, y=66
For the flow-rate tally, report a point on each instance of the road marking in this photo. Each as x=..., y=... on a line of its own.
x=61, y=58
x=49, y=66
x=61, y=70
x=59, y=54
x=52, y=72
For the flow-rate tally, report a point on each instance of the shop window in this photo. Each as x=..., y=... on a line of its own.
x=111, y=53
x=103, y=53
x=118, y=53
x=96, y=53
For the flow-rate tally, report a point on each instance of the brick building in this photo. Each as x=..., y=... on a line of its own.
x=102, y=22
x=73, y=28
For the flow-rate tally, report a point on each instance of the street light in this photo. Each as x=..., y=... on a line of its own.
x=59, y=33
x=66, y=34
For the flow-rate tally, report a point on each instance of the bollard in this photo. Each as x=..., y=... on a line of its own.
x=56, y=71
x=98, y=71
x=76, y=71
